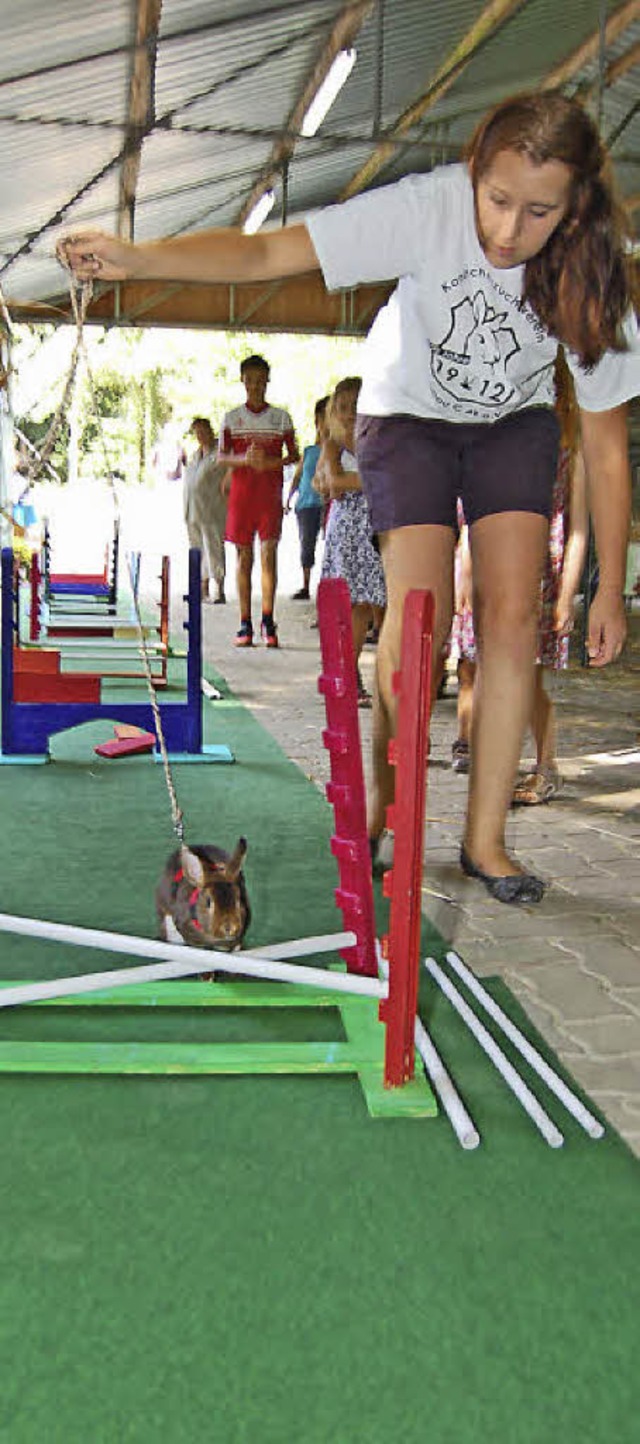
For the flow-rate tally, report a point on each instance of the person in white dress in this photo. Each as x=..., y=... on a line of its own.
x=205, y=507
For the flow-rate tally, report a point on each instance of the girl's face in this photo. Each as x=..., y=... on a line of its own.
x=519, y=205
x=344, y=414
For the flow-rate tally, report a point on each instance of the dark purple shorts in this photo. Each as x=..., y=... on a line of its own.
x=414, y=470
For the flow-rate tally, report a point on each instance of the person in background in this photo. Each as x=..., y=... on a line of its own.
x=309, y=504
x=205, y=507
x=255, y=439
x=566, y=551
x=349, y=551
x=168, y=457
x=566, y=555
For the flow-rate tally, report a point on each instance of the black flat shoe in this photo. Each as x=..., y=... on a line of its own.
x=519, y=887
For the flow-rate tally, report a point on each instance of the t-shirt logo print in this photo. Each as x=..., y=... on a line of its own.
x=470, y=363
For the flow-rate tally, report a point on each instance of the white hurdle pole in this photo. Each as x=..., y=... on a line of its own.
x=173, y=962
x=573, y=1105
x=463, y=1126
x=306, y=947
x=525, y=1097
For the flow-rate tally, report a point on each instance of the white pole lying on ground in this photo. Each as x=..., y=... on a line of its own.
x=517, y=1085
x=573, y=1105
x=306, y=947
x=463, y=1126
x=173, y=962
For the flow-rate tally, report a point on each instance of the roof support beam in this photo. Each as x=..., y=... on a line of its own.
x=345, y=29
x=617, y=23
x=141, y=110
x=494, y=15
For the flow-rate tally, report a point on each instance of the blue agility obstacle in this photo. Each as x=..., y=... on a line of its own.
x=102, y=588
x=27, y=727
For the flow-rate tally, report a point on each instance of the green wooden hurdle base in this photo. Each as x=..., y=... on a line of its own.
x=362, y=1052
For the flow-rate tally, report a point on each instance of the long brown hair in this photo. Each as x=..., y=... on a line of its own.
x=581, y=283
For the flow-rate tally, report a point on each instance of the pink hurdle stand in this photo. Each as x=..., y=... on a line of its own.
x=345, y=791
x=408, y=752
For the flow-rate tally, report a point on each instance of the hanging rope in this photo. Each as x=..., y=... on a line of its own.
x=80, y=298
x=81, y=295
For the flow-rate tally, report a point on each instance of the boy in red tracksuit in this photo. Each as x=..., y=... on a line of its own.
x=255, y=441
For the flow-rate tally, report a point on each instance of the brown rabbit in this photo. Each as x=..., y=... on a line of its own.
x=201, y=898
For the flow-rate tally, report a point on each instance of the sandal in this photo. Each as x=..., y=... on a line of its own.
x=539, y=786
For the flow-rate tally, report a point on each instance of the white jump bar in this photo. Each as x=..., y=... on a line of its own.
x=173, y=961
x=591, y=1125
x=512, y=1078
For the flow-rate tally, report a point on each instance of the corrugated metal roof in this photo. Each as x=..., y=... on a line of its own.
x=227, y=76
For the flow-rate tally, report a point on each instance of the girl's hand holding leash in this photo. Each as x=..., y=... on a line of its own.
x=94, y=255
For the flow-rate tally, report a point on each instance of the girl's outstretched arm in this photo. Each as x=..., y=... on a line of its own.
x=205, y=256
x=606, y=456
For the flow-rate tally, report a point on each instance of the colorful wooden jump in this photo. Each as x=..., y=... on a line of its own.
x=76, y=613
x=28, y=724
x=103, y=649
x=372, y=1013
x=101, y=586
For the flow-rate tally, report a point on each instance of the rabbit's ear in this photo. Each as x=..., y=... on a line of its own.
x=236, y=860
x=192, y=867
x=479, y=307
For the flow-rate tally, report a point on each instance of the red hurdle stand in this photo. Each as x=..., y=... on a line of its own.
x=408, y=752
x=345, y=791
x=402, y=884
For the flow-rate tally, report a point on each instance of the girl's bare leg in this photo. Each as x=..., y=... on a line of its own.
x=466, y=679
x=413, y=556
x=508, y=553
x=543, y=723
x=360, y=616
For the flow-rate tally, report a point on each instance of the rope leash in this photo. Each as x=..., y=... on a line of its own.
x=81, y=296
x=79, y=306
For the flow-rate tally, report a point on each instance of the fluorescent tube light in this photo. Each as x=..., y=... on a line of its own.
x=326, y=94
x=259, y=213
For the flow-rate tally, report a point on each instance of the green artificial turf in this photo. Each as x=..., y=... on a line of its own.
x=255, y=1259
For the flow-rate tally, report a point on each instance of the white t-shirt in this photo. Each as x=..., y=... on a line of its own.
x=454, y=341
x=271, y=427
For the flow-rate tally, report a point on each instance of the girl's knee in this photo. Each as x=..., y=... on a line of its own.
x=506, y=618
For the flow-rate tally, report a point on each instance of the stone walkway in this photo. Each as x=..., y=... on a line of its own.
x=574, y=961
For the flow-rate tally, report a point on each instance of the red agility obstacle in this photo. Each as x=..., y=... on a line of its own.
x=345, y=791
x=408, y=753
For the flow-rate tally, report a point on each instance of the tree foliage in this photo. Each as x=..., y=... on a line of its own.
x=137, y=380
